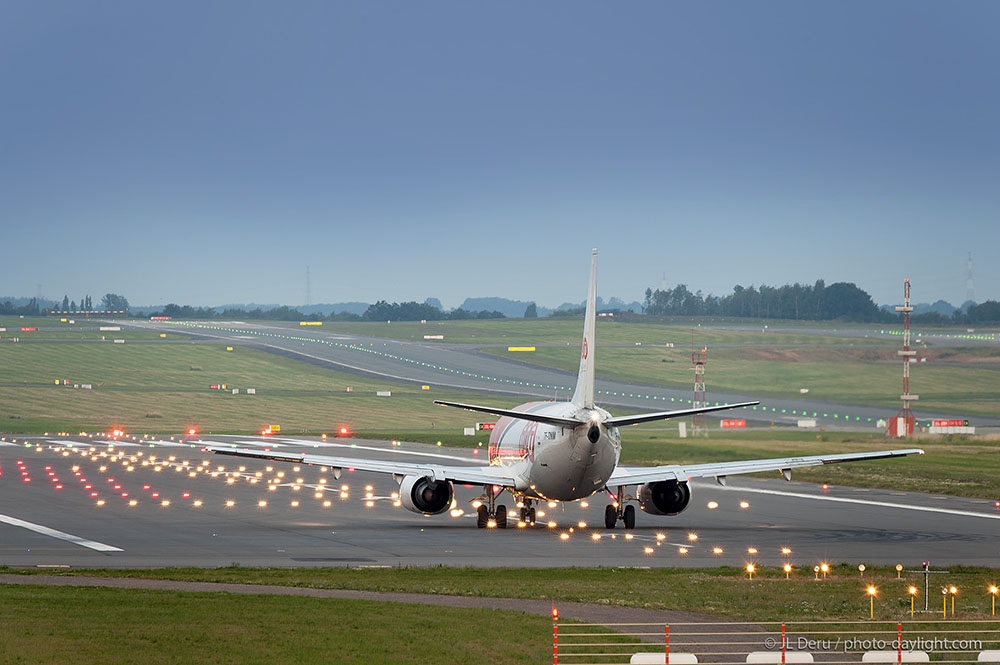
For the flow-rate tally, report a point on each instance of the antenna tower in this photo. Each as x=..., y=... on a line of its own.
x=308, y=289
x=970, y=291
x=902, y=425
x=699, y=357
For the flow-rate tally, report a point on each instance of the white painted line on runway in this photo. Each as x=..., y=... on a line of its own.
x=68, y=537
x=398, y=451
x=864, y=502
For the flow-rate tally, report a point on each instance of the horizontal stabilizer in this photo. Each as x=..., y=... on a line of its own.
x=510, y=413
x=623, y=421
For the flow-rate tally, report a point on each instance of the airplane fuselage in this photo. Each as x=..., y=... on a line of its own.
x=553, y=462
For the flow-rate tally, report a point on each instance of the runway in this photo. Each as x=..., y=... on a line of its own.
x=463, y=366
x=82, y=502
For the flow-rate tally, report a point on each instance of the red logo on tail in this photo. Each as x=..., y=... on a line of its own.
x=584, y=348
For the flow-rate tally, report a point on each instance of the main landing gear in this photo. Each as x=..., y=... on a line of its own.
x=490, y=512
x=619, y=511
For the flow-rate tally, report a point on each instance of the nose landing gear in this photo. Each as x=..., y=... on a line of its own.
x=527, y=513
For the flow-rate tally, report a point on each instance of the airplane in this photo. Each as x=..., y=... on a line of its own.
x=561, y=451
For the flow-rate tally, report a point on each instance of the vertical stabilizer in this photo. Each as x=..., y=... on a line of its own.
x=583, y=396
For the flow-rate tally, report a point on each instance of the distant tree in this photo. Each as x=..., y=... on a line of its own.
x=572, y=311
x=531, y=311
x=113, y=301
x=65, y=303
x=983, y=312
x=72, y=305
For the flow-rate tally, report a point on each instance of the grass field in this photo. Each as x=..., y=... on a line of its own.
x=117, y=626
x=716, y=591
x=165, y=388
x=841, y=374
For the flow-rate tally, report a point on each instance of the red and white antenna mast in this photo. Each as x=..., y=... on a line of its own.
x=699, y=356
x=902, y=425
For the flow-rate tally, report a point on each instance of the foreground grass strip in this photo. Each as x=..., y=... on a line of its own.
x=722, y=592
x=111, y=626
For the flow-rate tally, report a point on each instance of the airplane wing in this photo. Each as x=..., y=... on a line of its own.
x=473, y=475
x=510, y=413
x=638, y=475
x=623, y=421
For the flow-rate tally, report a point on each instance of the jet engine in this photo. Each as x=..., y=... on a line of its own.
x=420, y=494
x=667, y=497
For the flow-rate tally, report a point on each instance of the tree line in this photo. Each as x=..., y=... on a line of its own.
x=380, y=311
x=110, y=301
x=817, y=302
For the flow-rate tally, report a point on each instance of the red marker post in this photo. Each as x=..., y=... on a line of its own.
x=555, y=636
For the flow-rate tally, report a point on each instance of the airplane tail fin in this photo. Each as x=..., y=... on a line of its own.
x=583, y=396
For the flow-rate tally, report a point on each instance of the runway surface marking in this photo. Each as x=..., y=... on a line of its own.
x=865, y=502
x=385, y=450
x=274, y=443
x=68, y=537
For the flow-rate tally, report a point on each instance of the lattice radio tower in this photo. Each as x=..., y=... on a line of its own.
x=902, y=425
x=308, y=288
x=970, y=290
x=699, y=425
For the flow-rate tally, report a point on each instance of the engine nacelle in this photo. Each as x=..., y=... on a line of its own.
x=420, y=494
x=667, y=497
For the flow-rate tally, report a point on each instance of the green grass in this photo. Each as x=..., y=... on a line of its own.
x=95, y=334
x=830, y=374
x=165, y=388
x=716, y=591
x=119, y=626
x=10, y=321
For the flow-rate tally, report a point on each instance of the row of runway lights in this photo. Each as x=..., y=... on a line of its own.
x=204, y=468
x=130, y=462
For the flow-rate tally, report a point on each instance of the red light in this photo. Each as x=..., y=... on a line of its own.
x=555, y=613
x=192, y=431
x=343, y=431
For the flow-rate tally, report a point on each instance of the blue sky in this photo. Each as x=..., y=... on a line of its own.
x=207, y=152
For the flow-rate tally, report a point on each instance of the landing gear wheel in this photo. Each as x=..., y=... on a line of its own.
x=501, y=517
x=628, y=517
x=531, y=517
x=482, y=517
x=610, y=516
